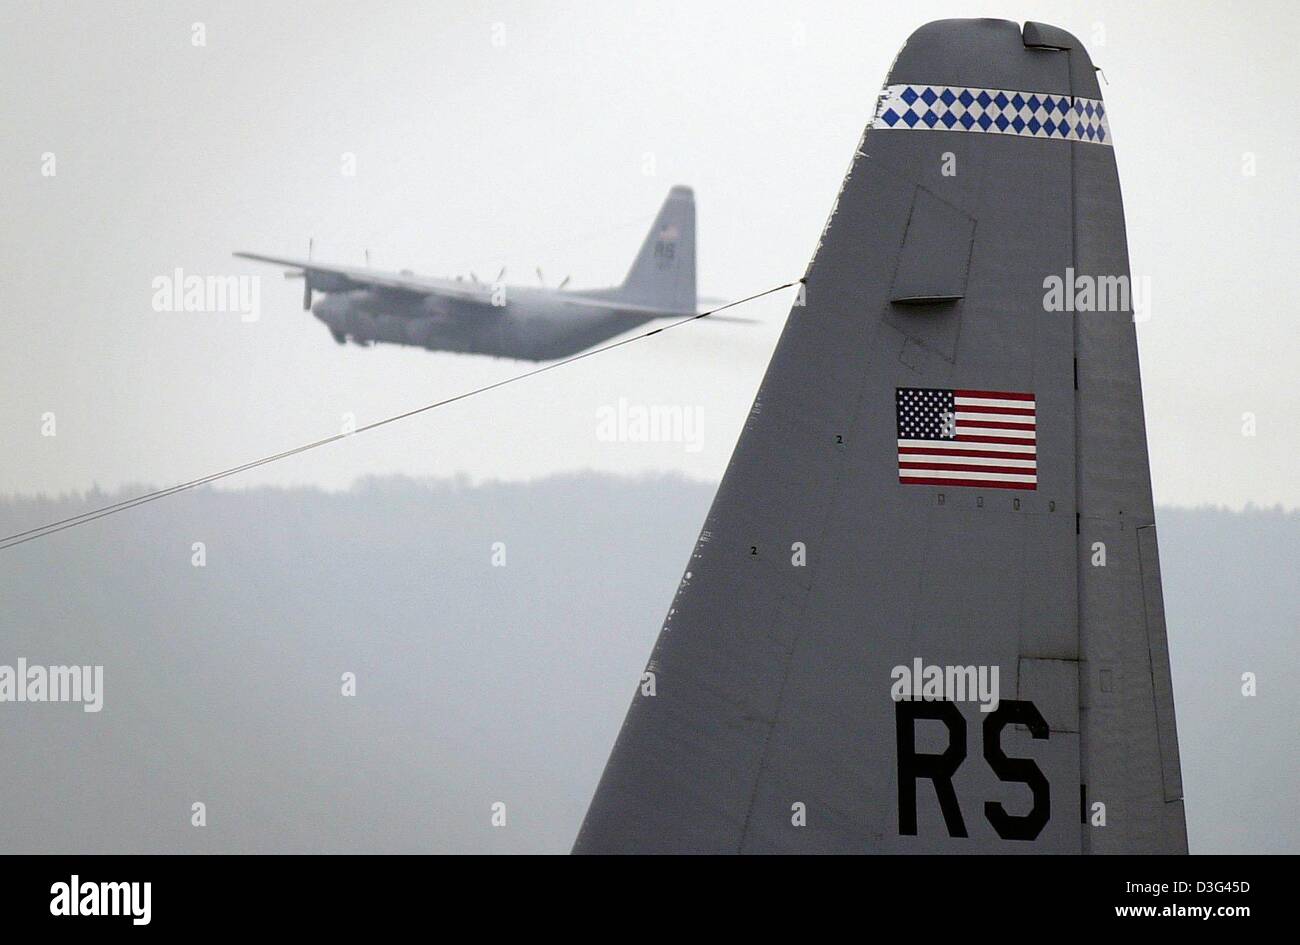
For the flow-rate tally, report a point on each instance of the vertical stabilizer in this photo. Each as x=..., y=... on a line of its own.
x=924, y=613
x=663, y=275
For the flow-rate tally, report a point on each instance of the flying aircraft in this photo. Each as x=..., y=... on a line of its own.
x=942, y=470
x=529, y=323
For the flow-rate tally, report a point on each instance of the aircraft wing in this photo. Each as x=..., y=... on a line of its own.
x=333, y=278
x=341, y=278
x=649, y=311
x=623, y=308
x=924, y=612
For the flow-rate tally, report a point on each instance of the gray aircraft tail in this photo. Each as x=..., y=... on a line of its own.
x=663, y=274
x=924, y=613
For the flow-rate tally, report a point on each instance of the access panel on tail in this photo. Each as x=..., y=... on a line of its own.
x=943, y=480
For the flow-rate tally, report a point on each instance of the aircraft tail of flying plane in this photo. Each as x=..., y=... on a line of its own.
x=663, y=275
x=924, y=613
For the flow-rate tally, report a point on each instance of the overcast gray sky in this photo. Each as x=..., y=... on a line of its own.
x=547, y=134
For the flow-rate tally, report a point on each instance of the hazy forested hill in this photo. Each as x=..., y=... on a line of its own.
x=475, y=683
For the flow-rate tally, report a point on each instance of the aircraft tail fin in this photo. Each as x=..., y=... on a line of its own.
x=663, y=274
x=924, y=614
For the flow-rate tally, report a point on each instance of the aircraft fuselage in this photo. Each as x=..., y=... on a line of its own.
x=530, y=325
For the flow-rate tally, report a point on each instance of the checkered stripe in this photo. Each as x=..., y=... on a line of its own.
x=995, y=111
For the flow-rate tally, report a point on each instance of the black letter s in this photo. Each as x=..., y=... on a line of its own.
x=1023, y=770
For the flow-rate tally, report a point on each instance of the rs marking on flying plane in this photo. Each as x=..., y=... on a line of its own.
x=528, y=323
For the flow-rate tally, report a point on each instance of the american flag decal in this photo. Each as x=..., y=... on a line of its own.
x=985, y=438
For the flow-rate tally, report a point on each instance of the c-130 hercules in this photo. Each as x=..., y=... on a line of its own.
x=526, y=323
x=942, y=469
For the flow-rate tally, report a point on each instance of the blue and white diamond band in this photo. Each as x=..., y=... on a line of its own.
x=992, y=111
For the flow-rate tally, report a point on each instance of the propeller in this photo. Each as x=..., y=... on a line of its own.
x=306, y=278
x=542, y=279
